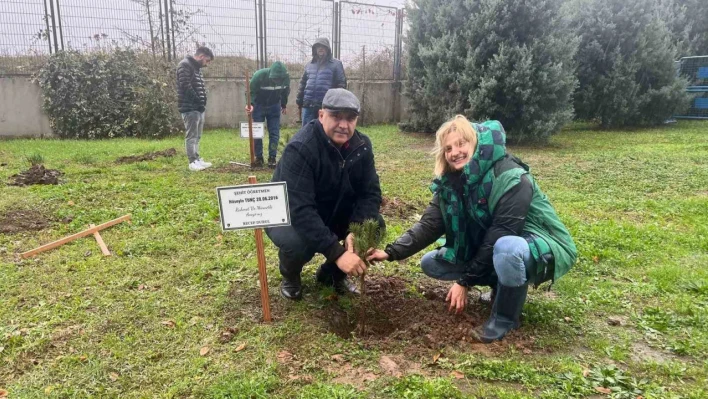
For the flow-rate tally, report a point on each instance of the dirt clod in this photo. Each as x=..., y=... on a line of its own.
x=18, y=221
x=397, y=208
x=148, y=156
x=37, y=174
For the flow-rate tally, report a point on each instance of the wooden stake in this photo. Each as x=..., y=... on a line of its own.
x=250, y=121
x=100, y=242
x=72, y=237
x=262, y=275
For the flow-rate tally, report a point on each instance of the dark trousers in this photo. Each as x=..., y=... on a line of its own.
x=294, y=251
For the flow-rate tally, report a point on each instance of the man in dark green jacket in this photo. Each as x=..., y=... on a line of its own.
x=270, y=88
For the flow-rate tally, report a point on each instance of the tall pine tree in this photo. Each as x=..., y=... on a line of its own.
x=510, y=60
x=625, y=63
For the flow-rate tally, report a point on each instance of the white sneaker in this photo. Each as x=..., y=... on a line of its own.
x=196, y=166
x=204, y=163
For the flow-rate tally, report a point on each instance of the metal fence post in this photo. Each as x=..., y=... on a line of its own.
x=265, y=35
x=335, y=26
x=54, y=26
x=46, y=22
x=61, y=31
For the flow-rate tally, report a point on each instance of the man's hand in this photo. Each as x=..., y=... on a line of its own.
x=457, y=296
x=376, y=255
x=249, y=109
x=349, y=243
x=351, y=264
x=283, y=110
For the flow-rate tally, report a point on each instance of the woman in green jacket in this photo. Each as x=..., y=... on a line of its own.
x=500, y=229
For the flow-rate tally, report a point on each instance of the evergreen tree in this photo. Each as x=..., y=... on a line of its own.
x=510, y=60
x=625, y=63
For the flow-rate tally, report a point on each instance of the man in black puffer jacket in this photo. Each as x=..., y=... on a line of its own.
x=331, y=178
x=191, y=101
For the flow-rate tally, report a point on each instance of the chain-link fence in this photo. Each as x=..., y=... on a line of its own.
x=292, y=26
x=24, y=36
x=369, y=35
x=244, y=34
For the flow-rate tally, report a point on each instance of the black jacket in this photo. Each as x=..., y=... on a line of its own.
x=328, y=187
x=191, y=93
x=509, y=218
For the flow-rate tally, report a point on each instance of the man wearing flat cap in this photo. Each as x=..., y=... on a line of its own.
x=331, y=179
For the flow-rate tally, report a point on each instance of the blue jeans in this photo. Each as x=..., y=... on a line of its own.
x=271, y=115
x=309, y=114
x=512, y=260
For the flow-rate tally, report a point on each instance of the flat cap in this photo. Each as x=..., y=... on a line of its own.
x=341, y=100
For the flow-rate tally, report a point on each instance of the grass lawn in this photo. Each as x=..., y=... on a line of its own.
x=175, y=311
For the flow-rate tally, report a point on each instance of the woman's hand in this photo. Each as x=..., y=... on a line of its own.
x=376, y=255
x=457, y=296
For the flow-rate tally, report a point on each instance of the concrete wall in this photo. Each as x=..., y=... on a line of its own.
x=21, y=109
x=21, y=105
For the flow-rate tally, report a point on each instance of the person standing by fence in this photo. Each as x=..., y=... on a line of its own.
x=192, y=101
x=321, y=74
x=270, y=88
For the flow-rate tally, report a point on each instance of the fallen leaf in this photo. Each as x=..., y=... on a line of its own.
x=389, y=366
x=596, y=259
x=640, y=397
x=240, y=348
x=567, y=319
x=204, y=351
x=457, y=375
x=70, y=203
x=219, y=237
x=168, y=323
x=527, y=351
x=141, y=287
x=332, y=297
x=604, y=390
x=113, y=376
x=2, y=348
x=586, y=372
x=338, y=358
x=48, y=390
x=285, y=357
x=436, y=357
x=4, y=393
x=83, y=358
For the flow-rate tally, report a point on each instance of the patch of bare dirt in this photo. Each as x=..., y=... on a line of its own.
x=37, y=174
x=642, y=352
x=421, y=322
x=148, y=156
x=19, y=221
x=397, y=208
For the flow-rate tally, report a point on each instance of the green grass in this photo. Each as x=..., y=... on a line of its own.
x=76, y=324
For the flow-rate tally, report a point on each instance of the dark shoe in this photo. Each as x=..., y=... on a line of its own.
x=341, y=283
x=505, y=313
x=271, y=162
x=291, y=288
x=258, y=163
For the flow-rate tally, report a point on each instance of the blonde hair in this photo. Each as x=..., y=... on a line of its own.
x=458, y=124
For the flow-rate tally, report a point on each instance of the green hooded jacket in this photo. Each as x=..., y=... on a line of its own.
x=482, y=190
x=270, y=86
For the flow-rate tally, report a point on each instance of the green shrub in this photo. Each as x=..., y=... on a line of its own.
x=117, y=93
x=625, y=64
x=510, y=60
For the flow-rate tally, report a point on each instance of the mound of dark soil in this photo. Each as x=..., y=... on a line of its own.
x=37, y=174
x=398, y=208
x=149, y=156
x=15, y=222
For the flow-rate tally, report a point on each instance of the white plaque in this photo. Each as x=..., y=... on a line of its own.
x=252, y=206
x=258, y=128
